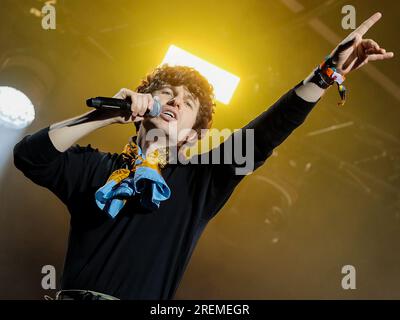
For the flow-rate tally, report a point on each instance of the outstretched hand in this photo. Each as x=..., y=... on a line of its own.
x=354, y=51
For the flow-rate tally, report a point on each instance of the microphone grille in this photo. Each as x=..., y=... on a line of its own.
x=156, y=110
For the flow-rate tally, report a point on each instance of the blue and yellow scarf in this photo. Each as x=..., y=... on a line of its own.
x=142, y=177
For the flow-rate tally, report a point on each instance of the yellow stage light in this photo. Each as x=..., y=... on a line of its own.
x=224, y=82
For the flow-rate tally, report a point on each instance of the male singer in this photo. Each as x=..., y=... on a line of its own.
x=135, y=218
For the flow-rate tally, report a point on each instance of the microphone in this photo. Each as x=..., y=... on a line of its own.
x=122, y=104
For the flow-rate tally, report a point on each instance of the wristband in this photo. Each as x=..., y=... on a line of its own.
x=325, y=75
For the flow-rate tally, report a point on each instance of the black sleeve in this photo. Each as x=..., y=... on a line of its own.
x=270, y=129
x=63, y=173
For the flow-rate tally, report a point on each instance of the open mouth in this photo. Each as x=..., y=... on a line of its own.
x=169, y=114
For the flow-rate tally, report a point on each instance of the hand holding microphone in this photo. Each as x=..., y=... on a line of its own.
x=127, y=106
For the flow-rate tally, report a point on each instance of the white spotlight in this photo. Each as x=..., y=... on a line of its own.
x=16, y=110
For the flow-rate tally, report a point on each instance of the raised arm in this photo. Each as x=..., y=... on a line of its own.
x=274, y=125
x=49, y=159
x=65, y=133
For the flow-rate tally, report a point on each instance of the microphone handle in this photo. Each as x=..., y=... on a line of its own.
x=109, y=103
x=121, y=104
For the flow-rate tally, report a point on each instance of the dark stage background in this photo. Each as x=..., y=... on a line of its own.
x=328, y=197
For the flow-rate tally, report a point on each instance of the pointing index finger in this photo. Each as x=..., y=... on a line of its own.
x=364, y=27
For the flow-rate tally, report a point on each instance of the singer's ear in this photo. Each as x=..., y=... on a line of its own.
x=192, y=137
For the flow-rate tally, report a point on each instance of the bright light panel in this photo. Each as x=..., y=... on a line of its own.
x=16, y=110
x=224, y=83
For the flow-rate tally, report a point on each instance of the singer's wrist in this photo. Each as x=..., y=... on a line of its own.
x=308, y=90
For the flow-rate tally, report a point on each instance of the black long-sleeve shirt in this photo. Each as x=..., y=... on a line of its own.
x=142, y=254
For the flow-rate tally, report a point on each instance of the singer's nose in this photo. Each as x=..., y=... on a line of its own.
x=173, y=102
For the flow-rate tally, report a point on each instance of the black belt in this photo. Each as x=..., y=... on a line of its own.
x=83, y=295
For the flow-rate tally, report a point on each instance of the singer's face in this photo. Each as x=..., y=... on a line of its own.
x=179, y=112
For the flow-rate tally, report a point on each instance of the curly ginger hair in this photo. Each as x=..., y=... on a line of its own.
x=195, y=83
